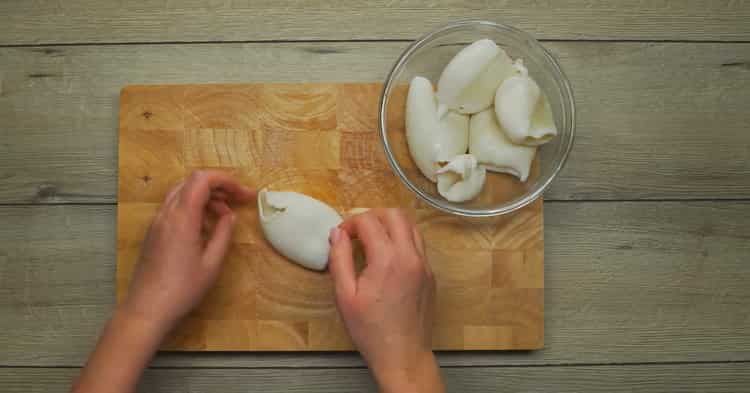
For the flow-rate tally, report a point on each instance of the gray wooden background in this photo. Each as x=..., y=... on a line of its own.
x=647, y=229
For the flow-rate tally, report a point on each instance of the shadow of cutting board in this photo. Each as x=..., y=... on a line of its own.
x=321, y=140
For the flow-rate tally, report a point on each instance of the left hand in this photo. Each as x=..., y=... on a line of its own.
x=179, y=262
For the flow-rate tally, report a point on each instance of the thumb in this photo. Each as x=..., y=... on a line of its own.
x=341, y=264
x=218, y=244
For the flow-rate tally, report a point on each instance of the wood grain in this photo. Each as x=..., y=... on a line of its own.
x=625, y=282
x=703, y=378
x=91, y=21
x=648, y=121
x=653, y=117
x=287, y=137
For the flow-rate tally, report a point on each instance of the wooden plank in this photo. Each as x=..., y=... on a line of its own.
x=92, y=21
x=625, y=282
x=655, y=120
x=717, y=377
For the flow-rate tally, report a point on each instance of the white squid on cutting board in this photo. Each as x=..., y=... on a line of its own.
x=297, y=226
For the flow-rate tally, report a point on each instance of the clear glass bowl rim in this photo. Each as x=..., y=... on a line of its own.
x=435, y=202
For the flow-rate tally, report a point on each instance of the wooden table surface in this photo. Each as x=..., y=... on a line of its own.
x=647, y=228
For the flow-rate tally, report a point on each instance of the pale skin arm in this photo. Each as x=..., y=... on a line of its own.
x=178, y=264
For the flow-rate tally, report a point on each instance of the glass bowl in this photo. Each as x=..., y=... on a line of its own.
x=427, y=57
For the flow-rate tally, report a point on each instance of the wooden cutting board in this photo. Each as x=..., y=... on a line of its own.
x=321, y=140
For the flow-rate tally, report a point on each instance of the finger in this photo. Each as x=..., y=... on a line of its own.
x=219, y=194
x=201, y=184
x=218, y=244
x=365, y=227
x=172, y=194
x=197, y=191
x=371, y=233
x=419, y=245
x=397, y=225
x=341, y=264
x=219, y=207
x=169, y=201
x=428, y=300
x=418, y=242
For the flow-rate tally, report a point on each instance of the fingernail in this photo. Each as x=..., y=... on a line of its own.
x=334, y=236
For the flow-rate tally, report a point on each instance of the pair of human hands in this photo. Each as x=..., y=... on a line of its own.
x=387, y=308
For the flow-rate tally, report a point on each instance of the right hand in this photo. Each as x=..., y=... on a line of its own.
x=388, y=309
